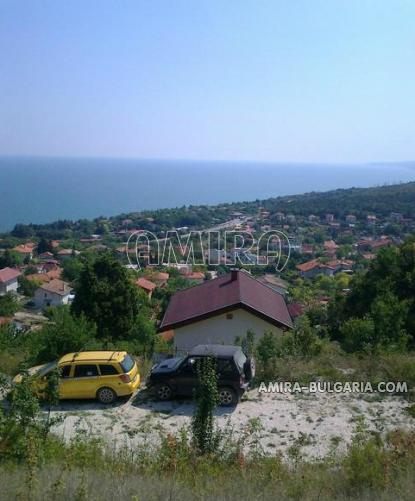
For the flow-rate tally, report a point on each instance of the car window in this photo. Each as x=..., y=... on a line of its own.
x=65, y=371
x=128, y=363
x=189, y=366
x=225, y=367
x=86, y=370
x=107, y=370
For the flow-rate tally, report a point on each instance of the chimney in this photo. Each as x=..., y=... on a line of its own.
x=234, y=274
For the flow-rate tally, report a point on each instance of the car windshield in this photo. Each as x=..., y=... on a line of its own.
x=43, y=371
x=170, y=363
x=240, y=359
x=128, y=363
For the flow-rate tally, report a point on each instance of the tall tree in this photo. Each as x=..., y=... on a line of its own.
x=105, y=295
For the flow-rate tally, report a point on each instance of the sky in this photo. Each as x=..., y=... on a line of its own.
x=277, y=80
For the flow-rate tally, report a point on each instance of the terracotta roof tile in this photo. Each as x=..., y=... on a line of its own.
x=146, y=284
x=7, y=274
x=57, y=287
x=309, y=265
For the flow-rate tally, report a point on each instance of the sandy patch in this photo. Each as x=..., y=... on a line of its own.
x=321, y=422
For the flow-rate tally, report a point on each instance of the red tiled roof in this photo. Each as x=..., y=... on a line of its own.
x=57, y=287
x=46, y=254
x=7, y=274
x=55, y=273
x=236, y=289
x=38, y=277
x=146, y=284
x=46, y=277
x=161, y=276
x=196, y=275
x=309, y=265
x=24, y=248
x=330, y=244
x=65, y=252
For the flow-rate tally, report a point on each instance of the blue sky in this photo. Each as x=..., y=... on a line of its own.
x=277, y=80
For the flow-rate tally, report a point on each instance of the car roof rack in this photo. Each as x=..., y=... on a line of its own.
x=75, y=355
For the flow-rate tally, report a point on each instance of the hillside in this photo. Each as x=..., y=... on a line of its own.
x=379, y=200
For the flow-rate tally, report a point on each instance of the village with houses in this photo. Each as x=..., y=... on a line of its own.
x=323, y=250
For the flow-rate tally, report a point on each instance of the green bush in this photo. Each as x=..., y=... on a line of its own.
x=63, y=334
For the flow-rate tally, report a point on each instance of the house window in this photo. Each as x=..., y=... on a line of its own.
x=229, y=316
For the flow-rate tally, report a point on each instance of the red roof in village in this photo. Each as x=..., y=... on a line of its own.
x=46, y=277
x=24, y=248
x=161, y=276
x=65, y=252
x=236, y=289
x=57, y=287
x=7, y=274
x=339, y=262
x=330, y=244
x=196, y=275
x=39, y=277
x=46, y=255
x=146, y=284
x=309, y=265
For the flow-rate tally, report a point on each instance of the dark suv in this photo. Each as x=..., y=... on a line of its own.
x=178, y=376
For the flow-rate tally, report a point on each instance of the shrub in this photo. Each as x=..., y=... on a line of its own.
x=207, y=399
x=64, y=334
x=8, y=305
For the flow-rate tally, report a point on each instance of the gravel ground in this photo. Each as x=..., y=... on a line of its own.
x=320, y=422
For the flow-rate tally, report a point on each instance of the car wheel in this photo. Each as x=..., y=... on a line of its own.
x=227, y=397
x=106, y=395
x=163, y=392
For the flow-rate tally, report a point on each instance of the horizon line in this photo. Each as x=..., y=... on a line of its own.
x=207, y=161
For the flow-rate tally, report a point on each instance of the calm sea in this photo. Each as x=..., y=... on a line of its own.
x=41, y=190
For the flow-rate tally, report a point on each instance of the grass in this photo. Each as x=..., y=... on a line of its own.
x=411, y=410
x=89, y=470
x=332, y=364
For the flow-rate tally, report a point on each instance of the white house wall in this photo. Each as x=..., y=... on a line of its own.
x=221, y=330
x=9, y=287
x=44, y=299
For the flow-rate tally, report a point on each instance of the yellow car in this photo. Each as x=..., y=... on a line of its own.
x=104, y=375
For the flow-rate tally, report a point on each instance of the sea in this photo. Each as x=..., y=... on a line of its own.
x=42, y=190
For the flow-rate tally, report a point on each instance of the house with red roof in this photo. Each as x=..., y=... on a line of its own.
x=160, y=278
x=147, y=286
x=53, y=293
x=8, y=281
x=330, y=248
x=221, y=310
x=195, y=276
x=312, y=268
x=25, y=250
